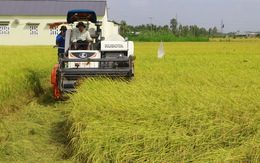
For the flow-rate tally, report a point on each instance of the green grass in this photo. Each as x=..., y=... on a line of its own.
x=201, y=103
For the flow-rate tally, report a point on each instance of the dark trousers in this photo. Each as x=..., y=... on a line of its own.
x=82, y=45
x=60, y=55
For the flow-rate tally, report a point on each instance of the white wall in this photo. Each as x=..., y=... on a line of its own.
x=20, y=34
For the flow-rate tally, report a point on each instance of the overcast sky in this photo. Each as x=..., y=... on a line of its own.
x=243, y=15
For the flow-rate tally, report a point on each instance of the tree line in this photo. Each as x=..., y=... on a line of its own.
x=175, y=30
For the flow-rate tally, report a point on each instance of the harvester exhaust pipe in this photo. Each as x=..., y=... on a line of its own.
x=98, y=32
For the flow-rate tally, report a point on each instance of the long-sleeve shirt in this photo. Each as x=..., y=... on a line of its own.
x=60, y=42
x=77, y=35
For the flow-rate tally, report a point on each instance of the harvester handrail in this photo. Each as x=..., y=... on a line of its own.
x=97, y=60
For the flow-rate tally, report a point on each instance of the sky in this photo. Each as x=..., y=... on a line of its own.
x=237, y=15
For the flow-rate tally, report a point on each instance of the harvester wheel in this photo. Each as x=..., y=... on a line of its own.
x=56, y=91
x=54, y=81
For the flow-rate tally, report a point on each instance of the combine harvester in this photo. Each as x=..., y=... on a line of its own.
x=110, y=57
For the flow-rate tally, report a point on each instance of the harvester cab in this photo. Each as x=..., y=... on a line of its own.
x=110, y=56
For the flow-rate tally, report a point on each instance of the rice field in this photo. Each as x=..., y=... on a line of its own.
x=24, y=74
x=200, y=103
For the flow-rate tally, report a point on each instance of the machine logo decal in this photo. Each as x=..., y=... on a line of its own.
x=83, y=54
x=114, y=46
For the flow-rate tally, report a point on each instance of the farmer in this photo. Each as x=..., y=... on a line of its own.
x=81, y=37
x=60, y=41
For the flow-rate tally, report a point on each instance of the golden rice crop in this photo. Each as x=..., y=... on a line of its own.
x=33, y=133
x=201, y=103
x=25, y=70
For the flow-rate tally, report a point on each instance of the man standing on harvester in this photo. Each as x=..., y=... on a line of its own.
x=81, y=37
x=60, y=41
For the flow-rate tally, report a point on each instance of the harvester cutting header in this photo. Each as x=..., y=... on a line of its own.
x=111, y=56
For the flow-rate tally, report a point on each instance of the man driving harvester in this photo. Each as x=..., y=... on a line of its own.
x=81, y=37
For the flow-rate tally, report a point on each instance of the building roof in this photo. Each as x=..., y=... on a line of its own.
x=49, y=7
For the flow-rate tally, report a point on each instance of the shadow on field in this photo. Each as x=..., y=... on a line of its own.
x=42, y=94
x=47, y=99
x=41, y=91
x=59, y=133
x=33, y=78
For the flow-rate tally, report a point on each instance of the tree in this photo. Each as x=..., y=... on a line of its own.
x=180, y=33
x=174, y=29
x=203, y=32
x=214, y=31
x=123, y=27
x=173, y=26
x=185, y=31
x=210, y=32
x=196, y=31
